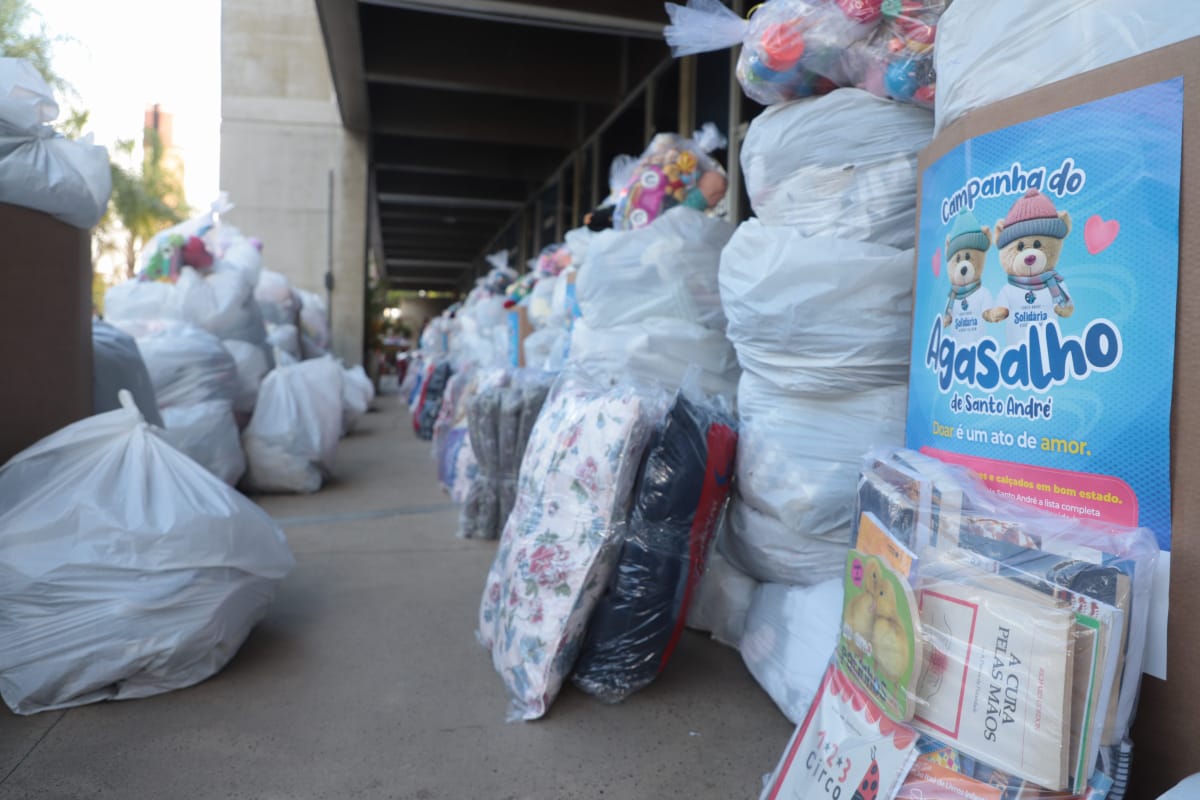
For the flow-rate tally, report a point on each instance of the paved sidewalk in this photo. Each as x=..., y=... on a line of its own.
x=365, y=681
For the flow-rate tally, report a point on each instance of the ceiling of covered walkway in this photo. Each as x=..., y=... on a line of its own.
x=479, y=114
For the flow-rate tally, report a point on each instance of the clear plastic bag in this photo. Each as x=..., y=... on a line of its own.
x=208, y=434
x=659, y=350
x=681, y=491
x=155, y=570
x=187, y=365
x=817, y=315
x=665, y=269
x=561, y=541
x=791, y=632
x=673, y=171
x=480, y=516
x=1025, y=630
x=40, y=169
x=800, y=455
x=291, y=441
x=431, y=400
x=989, y=51
x=843, y=165
x=117, y=365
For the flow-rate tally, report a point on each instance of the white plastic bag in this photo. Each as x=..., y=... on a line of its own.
x=722, y=601
x=292, y=438
x=768, y=549
x=126, y=570
x=117, y=365
x=207, y=433
x=660, y=351
x=357, y=394
x=799, y=456
x=284, y=339
x=186, y=364
x=817, y=314
x=40, y=169
x=252, y=366
x=279, y=304
x=791, y=632
x=314, y=324
x=988, y=51
x=842, y=165
x=221, y=302
x=666, y=269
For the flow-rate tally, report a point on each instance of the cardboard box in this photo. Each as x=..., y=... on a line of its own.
x=1166, y=734
x=45, y=327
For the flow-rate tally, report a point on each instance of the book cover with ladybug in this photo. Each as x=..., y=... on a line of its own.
x=846, y=748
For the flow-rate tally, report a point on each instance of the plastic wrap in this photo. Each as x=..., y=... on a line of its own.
x=769, y=549
x=116, y=365
x=560, y=544
x=681, y=491
x=508, y=437
x=843, y=165
x=315, y=339
x=660, y=350
x=431, y=400
x=991, y=51
x=154, y=569
x=665, y=269
x=253, y=363
x=208, y=434
x=722, y=601
x=187, y=365
x=40, y=169
x=292, y=438
x=800, y=456
x=276, y=300
x=795, y=48
x=791, y=632
x=545, y=349
x=816, y=314
x=480, y=516
x=673, y=171
x=1066, y=598
x=357, y=394
x=284, y=339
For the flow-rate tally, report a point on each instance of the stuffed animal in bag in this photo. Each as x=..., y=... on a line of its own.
x=1030, y=241
x=966, y=251
x=673, y=171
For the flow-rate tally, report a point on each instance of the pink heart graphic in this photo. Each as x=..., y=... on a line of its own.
x=937, y=263
x=1098, y=234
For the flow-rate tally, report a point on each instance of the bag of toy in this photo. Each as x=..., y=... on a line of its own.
x=673, y=171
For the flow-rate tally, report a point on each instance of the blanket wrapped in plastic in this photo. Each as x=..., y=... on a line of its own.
x=117, y=365
x=208, y=433
x=431, y=400
x=681, y=492
x=39, y=168
x=817, y=315
x=292, y=438
x=560, y=544
x=154, y=570
x=843, y=165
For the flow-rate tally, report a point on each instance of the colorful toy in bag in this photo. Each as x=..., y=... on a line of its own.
x=520, y=289
x=553, y=260
x=173, y=254
x=673, y=171
x=897, y=60
x=798, y=48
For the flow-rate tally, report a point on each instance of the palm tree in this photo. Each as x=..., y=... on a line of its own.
x=144, y=200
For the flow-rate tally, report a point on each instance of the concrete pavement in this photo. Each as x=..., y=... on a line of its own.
x=365, y=681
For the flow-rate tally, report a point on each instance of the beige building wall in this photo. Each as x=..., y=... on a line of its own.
x=281, y=136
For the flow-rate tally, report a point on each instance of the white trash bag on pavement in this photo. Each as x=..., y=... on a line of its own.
x=357, y=394
x=126, y=570
x=208, y=433
x=292, y=438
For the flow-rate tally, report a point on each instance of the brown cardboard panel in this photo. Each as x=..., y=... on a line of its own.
x=45, y=327
x=1166, y=734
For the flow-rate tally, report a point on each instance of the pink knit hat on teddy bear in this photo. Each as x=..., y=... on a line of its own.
x=1032, y=215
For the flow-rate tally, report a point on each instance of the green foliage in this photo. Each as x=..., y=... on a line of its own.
x=146, y=198
x=23, y=35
